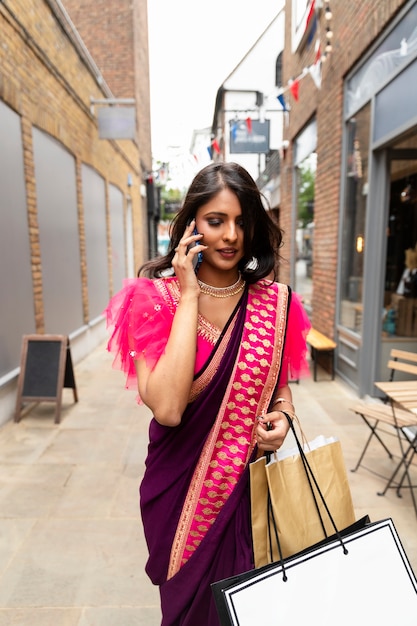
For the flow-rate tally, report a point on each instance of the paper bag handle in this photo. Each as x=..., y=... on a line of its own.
x=311, y=478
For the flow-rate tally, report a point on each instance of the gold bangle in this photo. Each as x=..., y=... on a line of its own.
x=278, y=400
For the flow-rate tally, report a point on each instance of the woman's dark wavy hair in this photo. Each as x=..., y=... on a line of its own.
x=262, y=237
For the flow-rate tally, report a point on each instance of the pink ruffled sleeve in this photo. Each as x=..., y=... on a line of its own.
x=140, y=321
x=295, y=352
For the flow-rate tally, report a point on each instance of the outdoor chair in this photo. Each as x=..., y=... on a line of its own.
x=410, y=433
x=396, y=416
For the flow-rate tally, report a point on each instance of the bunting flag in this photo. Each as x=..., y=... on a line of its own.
x=210, y=151
x=312, y=31
x=294, y=85
x=315, y=72
x=315, y=69
x=317, y=49
x=234, y=130
x=215, y=146
x=249, y=124
x=281, y=100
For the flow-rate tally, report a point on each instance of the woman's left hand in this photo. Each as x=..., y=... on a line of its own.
x=271, y=431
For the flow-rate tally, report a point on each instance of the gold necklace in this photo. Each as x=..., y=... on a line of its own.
x=222, y=292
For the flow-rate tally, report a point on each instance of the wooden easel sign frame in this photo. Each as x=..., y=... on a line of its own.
x=45, y=368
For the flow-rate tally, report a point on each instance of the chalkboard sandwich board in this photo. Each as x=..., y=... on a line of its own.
x=45, y=368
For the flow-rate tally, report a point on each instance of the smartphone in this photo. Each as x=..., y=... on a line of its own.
x=197, y=260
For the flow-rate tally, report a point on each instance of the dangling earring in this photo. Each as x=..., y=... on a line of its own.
x=169, y=271
x=251, y=265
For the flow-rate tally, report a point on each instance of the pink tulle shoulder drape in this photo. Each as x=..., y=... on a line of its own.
x=140, y=319
x=295, y=361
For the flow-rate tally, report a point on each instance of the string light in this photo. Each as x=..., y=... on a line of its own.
x=329, y=33
x=327, y=12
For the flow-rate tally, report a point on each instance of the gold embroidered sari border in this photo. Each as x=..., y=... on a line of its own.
x=231, y=440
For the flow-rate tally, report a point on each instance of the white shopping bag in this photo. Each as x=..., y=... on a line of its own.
x=372, y=584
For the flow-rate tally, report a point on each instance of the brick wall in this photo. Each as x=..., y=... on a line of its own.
x=46, y=80
x=356, y=25
x=116, y=34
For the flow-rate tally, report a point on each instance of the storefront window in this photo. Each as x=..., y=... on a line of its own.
x=305, y=164
x=353, y=242
x=306, y=176
x=400, y=293
x=302, y=11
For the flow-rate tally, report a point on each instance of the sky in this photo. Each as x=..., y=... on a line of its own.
x=193, y=46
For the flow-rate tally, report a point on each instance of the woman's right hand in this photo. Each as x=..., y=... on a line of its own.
x=175, y=368
x=182, y=261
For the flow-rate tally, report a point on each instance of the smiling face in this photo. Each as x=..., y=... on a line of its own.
x=221, y=223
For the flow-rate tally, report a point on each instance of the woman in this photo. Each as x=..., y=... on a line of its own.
x=208, y=352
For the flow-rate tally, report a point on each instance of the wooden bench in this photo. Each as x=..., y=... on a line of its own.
x=320, y=344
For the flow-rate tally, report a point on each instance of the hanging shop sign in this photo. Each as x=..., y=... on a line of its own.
x=117, y=122
x=249, y=138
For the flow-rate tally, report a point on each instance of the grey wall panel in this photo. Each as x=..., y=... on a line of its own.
x=94, y=201
x=117, y=236
x=59, y=236
x=16, y=300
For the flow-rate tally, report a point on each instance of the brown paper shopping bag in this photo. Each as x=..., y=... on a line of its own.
x=285, y=489
x=264, y=551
